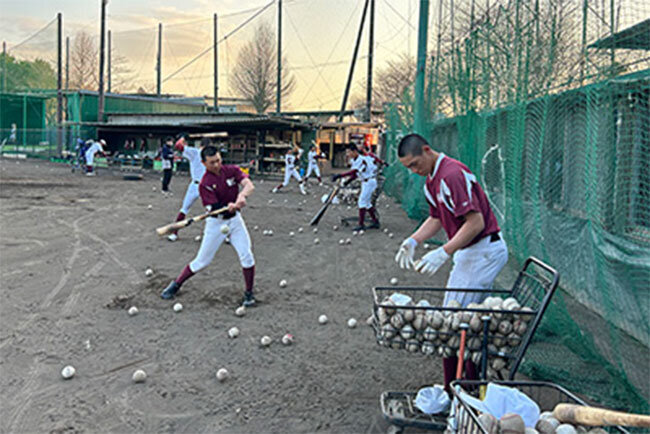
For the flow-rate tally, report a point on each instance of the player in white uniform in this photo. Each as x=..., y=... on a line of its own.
x=290, y=170
x=197, y=170
x=94, y=148
x=312, y=157
x=365, y=169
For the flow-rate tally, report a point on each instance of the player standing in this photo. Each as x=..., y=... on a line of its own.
x=458, y=205
x=167, y=157
x=218, y=188
x=365, y=169
x=93, y=148
x=197, y=170
x=312, y=157
x=290, y=170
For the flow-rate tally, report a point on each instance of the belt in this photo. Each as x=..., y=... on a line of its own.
x=494, y=237
x=224, y=215
x=367, y=179
x=195, y=182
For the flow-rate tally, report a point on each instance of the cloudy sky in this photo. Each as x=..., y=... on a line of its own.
x=318, y=39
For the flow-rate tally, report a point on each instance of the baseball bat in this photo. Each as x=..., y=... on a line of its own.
x=461, y=350
x=592, y=416
x=164, y=230
x=321, y=212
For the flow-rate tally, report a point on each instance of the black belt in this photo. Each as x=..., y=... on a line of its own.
x=196, y=182
x=227, y=215
x=494, y=237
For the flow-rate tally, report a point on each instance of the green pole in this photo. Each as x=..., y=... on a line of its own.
x=24, y=120
x=423, y=28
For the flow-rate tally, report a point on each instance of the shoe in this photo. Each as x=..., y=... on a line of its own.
x=90, y=174
x=302, y=190
x=275, y=190
x=359, y=228
x=374, y=225
x=172, y=237
x=170, y=291
x=249, y=299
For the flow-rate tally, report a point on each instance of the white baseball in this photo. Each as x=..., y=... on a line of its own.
x=315, y=230
x=283, y=283
x=393, y=281
x=270, y=201
x=287, y=339
x=240, y=311
x=153, y=188
x=385, y=230
x=348, y=241
x=133, y=310
x=341, y=241
x=336, y=228
x=355, y=233
x=426, y=246
x=150, y=207
x=197, y=238
x=390, y=235
x=352, y=323
x=361, y=232
x=222, y=374
x=178, y=307
x=68, y=372
x=316, y=241
x=233, y=332
x=148, y=272
x=291, y=234
x=139, y=376
x=323, y=319
x=270, y=232
x=265, y=341
x=256, y=228
x=300, y=229
x=224, y=229
x=265, y=232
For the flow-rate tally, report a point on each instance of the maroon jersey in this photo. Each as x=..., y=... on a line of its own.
x=223, y=188
x=452, y=191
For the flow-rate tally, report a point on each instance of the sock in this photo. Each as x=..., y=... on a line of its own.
x=373, y=215
x=449, y=365
x=362, y=216
x=249, y=277
x=179, y=217
x=185, y=274
x=319, y=180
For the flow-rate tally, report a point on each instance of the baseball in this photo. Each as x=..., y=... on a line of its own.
x=148, y=272
x=393, y=281
x=224, y=229
x=139, y=376
x=197, y=238
x=265, y=341
x=322, y=319
x=178, y=307
x=287, y=339
x=133, y=310
x=283, y=283
x=348, y=241
x=355, y=233
x=270, y=201
x=300, y=230
x=390, y=235
x=336, y=228
x=341, y=241
x=352, y=323
x=385, y=230
x=256, y=228
x=270, y=232
x=149, y=206
x=153, y=188
x=361, y=232
x=240, y=311
x=222, y=374
x=265, y=232
x=426, y=246
x=233, y=332
x=291, y=234
x=315, y=230
x=316, y=241
x=68, y=372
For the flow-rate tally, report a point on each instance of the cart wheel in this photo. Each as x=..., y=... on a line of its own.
x=132, y=177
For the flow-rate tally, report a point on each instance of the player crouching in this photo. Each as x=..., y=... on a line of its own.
x=218, y=188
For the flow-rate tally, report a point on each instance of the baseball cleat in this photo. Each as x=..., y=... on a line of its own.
x=170, y=291
x=302, y=190
x=374, y=225
x=172, y=237
x=275, y=190
x=249, y=299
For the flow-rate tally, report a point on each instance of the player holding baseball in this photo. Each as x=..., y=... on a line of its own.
x=290, y=170
x=365, y=169
x=458, y=205
x=219, y=188
x=197, y=170
x=312, y=157
x=93, y=148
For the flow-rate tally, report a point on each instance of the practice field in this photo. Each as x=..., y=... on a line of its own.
x=74, y=251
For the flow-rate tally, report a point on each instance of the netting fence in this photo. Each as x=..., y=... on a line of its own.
x=549, y=105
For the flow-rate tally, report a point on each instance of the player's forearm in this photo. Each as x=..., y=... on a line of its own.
x=473, y=226
x=248, y=188
x=428, y=229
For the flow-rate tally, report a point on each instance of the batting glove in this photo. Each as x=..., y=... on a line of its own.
x=432, y=261
x=404, y=256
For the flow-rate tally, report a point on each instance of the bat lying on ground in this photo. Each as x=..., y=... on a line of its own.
x=164, y=230
x=591, y=416
x=321, y=212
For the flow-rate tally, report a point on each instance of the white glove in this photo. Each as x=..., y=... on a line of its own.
x=432, y=261
x=404, y=256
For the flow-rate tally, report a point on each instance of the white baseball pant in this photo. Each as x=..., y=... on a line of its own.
x=191, y=195
x=212, y=239
x=476, y=267
x=313, y=167
x=365, y=196
x=90, y=158
x=288, y=174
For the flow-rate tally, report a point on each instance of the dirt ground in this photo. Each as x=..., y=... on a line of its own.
x=74, y=251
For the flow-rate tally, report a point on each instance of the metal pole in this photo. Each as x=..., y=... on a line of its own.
x=371, y=43
x=59, y=82
x=158, y=61
x=67, y=62
x=100, y=106
x=423, y=27
x=354, y=59
x=278, y=103
x=4, y=66
x=583, y=60
x=216, y=66
x=108, y=87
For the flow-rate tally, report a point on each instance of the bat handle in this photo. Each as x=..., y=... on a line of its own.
x=461, y=350
x=484, y=355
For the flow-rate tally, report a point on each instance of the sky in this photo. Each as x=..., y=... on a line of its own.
x=318, y=39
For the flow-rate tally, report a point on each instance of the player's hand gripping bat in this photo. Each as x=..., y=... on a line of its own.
x=164, y=230
x=591, y=416
x=321, y=212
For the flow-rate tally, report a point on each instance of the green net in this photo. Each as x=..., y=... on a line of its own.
x=549, y=104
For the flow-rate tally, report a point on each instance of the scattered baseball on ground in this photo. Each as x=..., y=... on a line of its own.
x=283, y=283
x=68, y=372
x=222, y=374
x=300, y=230
x=224, y=229
x=149, y=206
x=265, y=341
x=393, y=281
x=348, y=241
x=349, y=207
x=323, y=319
x=148, y=272
x=139, y=376
x=256, y=228
x=426, y=245
x=265, y=232
x=270, y=232
x=352, y=323
x=385, y=230
x=153, y=188
x=178, y=307
x=316, y=241
x=197, y=238
x=291, y=234
x=355, y=233
x=240, y=311
x=341, y=241
x=287, y=339
x=270, y=201
x=315, y=230
x=361, y=232
x=233, y=332
x=133, y=310
x=336, y=228
x=390, y=235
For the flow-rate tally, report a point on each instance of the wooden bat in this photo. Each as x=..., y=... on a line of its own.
x=164, y=230
x=321, y=212
x=592, y=416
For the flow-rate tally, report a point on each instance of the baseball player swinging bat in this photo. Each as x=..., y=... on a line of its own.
x=164, y=230
x=592, y=416
x=321, y=212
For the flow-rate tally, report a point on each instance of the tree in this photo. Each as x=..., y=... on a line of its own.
x=25, y=74
x=255, y=73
